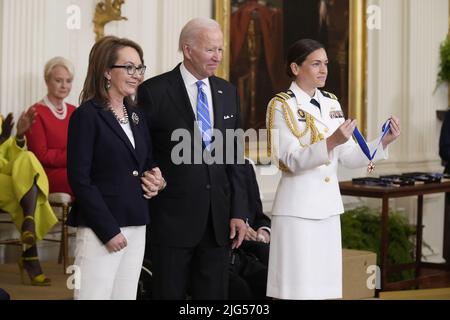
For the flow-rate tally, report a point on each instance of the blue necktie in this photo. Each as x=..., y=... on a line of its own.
x=203, y=118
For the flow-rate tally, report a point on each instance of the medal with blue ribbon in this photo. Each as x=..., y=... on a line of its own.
x=365, y=148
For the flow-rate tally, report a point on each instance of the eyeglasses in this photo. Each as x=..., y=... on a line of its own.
x=131, y=69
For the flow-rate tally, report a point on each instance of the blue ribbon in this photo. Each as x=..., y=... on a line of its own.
x=363, y=144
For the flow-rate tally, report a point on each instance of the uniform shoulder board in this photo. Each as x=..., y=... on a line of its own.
x=329, y=95
x=286, y=95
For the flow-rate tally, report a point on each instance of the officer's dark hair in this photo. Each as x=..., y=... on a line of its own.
x=299, y=51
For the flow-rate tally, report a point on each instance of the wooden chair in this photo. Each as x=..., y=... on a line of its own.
x=63, y=201
x=4, y=219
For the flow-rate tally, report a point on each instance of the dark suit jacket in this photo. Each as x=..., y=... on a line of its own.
x=180, y=211
x=444, y=143
x=104, y=170
x=256, y=217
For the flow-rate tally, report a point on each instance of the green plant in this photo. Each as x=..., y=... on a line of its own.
x=361, y=230
x=444, y=67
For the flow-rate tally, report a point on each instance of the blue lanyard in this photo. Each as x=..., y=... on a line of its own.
x=363, y=144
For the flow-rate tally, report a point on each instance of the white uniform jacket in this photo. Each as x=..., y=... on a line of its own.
x=309, y=186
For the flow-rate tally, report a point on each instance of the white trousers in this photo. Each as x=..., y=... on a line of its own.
x=105, y=275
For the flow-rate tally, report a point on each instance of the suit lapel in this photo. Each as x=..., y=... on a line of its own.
x=218, y=103
x=138, y=139
x=178, y=93
x=111, y=121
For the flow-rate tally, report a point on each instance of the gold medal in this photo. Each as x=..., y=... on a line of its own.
x=370, y=167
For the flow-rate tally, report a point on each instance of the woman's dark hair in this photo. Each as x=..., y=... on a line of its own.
x=299, y=51
x=104, y=54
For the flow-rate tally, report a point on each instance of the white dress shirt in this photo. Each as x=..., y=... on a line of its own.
x=192, y=90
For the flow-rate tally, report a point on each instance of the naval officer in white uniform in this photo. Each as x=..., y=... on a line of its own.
x=308, y=138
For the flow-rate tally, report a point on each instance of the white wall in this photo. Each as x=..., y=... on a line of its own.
x=402, y=67
x=34, y=31
x=403, y=64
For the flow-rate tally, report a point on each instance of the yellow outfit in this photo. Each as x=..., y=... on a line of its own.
x=18, y=170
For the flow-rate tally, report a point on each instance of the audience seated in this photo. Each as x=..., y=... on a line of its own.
x=47, y=138
x=24, y=192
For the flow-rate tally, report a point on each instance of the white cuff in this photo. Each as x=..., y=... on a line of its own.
x=265, y=228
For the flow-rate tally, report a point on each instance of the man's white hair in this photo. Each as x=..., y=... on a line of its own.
x=194, y=28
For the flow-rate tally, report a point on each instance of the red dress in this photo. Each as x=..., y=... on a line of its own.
x=47, y=139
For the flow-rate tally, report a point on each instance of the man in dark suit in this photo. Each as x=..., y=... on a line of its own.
x=249, y=263
x=204, y=204
x=257, y=237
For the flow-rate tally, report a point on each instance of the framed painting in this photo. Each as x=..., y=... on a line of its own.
x=258, y=33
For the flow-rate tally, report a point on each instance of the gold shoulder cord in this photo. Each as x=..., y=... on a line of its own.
x=279, y=163
x=290, y=122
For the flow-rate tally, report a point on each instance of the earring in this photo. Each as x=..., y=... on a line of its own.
x=108, y=84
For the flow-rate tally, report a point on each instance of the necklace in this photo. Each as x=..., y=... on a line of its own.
x=123, y=120
x=59, y=113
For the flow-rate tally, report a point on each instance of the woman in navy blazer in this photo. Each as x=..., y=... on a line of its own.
x=108, y=153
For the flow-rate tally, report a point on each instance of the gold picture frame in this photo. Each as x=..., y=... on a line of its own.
x=357, y=57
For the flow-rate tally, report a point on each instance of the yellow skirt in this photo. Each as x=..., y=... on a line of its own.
x=16, y=178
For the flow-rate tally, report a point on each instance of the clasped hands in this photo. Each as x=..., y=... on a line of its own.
x=240, y=231
x=259, y=235
x=152, y=182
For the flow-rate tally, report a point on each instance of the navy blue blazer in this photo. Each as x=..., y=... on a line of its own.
x=256, y=216
x=104, y=170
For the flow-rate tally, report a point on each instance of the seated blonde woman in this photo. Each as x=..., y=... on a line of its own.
x=23, y=193
x=47, y=137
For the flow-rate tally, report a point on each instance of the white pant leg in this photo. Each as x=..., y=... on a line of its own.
x=127, y=276
x=97, y=266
